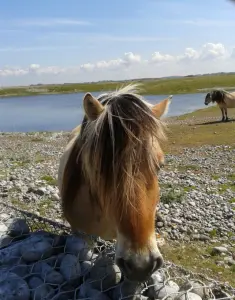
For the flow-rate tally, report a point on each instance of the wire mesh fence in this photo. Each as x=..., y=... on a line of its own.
x=42, y=259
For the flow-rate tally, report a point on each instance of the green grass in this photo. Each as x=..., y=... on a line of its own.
x=231, y=177
x=200, y=132
x=171, y=194
x=49, y=179
x=226, y=186
x=44, y=205
x=152, y=86
x=213, y=233
x=183, y=168
x=196, y=257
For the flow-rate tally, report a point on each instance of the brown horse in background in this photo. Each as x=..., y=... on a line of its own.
x=108, y=176
x=223, y=99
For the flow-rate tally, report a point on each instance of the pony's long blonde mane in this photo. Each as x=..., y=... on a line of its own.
x=118, y=150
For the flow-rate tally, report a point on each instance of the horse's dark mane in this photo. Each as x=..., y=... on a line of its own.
x=218, y=96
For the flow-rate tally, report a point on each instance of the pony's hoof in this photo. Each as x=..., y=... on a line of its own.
x=227, y=119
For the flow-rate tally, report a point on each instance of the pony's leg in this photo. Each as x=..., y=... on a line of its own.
x=226, y=114
x=222, y=111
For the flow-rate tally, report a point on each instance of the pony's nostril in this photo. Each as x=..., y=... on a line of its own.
x=125, y=265
x=158, y=263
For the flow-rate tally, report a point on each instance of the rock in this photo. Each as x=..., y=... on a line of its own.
x=70, y=267
x=127, y=290
x=104, y=274
x=47, y=273
x=10, y=256
x=196, y=288
x=203, y=237
x=40, y=290
x=17, y=227
x=21, y=270
x=231, y=262
x=5, y=240
x=35, y=248
x=40, y=191
x=161, y=290
x=13, y=286
x=3, y=229
x=75, y=244
x=219, y=250
x=160, y=224
x=156, y=278
x=85, y=267
x=86, y=291
x=188, y=296
x=55, y=196
x=85, y=254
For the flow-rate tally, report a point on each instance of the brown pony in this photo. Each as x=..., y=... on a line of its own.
x=108, y=176
x=223, y=99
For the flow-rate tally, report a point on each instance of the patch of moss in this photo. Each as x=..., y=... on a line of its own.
x=213, y=233
x=17, y=203
x=36, y=139
x=39, y=158
x=226, y=186
x=196, y=257
x=49, y=179
x=189, y=188
x=43, y=206
x=215, y=177
x=188, y=167
x=231, y=177
x=172, y=194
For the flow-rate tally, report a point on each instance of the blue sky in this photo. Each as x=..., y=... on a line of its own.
x=72, y=41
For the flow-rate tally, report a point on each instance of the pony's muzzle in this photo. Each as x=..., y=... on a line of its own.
x=135, y=269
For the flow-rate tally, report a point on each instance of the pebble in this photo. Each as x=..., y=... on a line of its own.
x=219, y=250
x=70, y=267
x=13, y=287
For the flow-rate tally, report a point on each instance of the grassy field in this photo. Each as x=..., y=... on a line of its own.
x=155, y=87
x=202, y=127
x=196, y=257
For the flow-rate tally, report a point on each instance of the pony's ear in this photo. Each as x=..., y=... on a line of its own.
x=93, y=108
x=161, y=108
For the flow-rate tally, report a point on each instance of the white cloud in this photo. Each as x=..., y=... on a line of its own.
x=34, y=67
x=233, y=53
x=190, y=54
x=211, y=51
x=134, y=65
x=157, y=57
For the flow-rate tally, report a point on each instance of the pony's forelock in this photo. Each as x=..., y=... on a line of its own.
x=119, y=149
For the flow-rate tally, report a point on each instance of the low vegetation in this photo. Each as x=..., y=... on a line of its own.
x=197, y=257
x=202, y=127
x=181, y=85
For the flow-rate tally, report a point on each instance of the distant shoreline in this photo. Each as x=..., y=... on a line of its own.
x=172, y=86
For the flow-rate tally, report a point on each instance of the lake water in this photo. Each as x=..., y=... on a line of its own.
x=65, y=111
